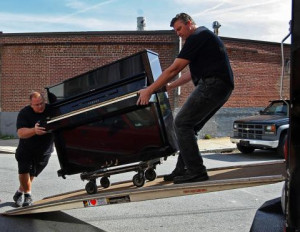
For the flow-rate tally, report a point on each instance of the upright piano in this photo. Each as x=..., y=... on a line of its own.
x=97, y=124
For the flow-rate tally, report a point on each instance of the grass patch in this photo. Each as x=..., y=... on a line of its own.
x=6, y=137
x=207, y=136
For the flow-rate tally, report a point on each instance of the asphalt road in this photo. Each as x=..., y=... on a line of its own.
x=231, y=210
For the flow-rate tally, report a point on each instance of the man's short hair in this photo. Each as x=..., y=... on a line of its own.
x=183, y=17
x=35, y=95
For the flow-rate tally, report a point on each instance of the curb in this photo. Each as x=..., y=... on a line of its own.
x=217, y=145
x=218, y=150
x=11, y=150
x=8, y=150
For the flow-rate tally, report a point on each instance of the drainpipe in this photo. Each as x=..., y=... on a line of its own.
x=177, y=91
x=282, y=65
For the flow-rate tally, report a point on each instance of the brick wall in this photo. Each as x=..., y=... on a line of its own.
x=257, y=69
x=32, y=61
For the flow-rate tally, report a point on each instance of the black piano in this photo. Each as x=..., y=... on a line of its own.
x=100, y=131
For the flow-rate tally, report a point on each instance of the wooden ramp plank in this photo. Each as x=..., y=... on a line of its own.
x=220, y=179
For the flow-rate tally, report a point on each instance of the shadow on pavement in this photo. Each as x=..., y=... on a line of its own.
x=11, y=204
x=55, y=221
x=259, y=155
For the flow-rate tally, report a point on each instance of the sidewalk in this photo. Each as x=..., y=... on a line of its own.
x=8, y=145
x=222, y=144
x=214, y=145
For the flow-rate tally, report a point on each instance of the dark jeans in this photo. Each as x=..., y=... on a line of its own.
x=207, y=98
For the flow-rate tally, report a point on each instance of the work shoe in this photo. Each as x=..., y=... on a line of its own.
x=18, y=198
x=189, y=177
x=27, y=200
x=174, y=174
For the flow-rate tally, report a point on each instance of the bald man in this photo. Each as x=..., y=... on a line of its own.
x=35, y=146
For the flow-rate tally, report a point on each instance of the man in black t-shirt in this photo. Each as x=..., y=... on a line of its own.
x=210, y=72
x=35, y=146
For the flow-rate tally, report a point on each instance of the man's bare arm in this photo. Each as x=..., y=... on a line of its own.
x=25, y=133
x=167, y=75
x=185, y=78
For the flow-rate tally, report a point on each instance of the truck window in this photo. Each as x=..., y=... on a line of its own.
x=279, y=108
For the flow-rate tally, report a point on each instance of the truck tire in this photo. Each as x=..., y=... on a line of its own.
x=244, y=149
x=280, y=148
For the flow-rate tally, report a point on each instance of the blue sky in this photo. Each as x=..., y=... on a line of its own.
x=266, y=20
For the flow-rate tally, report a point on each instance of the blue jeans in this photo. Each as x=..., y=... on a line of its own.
x=207, y=98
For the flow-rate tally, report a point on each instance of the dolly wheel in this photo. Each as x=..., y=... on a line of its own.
x=150, y=174
x=104, y=181
x=138, y=180
x=91, y=187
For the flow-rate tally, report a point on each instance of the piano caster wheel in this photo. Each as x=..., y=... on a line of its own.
x=150, y=174
x=91, y=187
x=138, y=180
x=104, y=182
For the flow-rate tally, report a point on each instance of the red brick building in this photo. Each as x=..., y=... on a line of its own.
x=32, y=61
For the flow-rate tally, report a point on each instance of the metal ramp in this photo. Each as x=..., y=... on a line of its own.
x=224, y=178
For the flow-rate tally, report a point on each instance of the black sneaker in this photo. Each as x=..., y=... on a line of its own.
x=18, y=198
x=174, y=174
x=191, y=177
x=27, y=200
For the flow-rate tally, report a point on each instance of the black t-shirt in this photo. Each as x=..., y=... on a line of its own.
x=37, y=144
x=207, y=56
